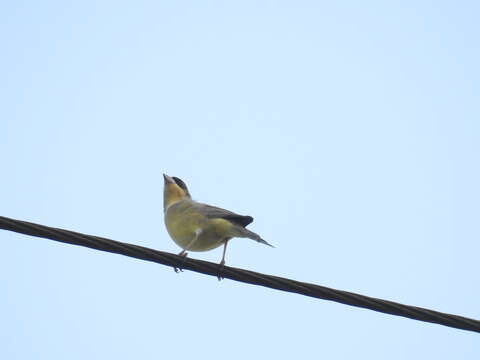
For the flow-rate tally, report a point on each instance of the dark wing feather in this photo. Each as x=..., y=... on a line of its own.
x=242, y=220
x=214, y=212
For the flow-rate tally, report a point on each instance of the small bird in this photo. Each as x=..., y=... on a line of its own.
x=200, y=227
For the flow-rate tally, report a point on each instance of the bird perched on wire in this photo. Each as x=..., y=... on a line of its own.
x=200, y=227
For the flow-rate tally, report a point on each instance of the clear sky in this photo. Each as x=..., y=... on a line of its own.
x=349, y=130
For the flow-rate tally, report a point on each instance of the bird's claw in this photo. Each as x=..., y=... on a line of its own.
x=183, y=254
x=220, y=269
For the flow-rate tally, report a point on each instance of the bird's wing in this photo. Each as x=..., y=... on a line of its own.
x=214, y=212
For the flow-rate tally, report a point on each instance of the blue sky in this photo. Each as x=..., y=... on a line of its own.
x=349, y=131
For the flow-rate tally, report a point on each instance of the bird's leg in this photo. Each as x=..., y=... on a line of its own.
x=222, y=262
x=184, y=251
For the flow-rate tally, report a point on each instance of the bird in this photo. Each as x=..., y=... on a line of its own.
x=195, y=226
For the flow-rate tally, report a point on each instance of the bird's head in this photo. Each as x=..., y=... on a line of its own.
x=174, y=191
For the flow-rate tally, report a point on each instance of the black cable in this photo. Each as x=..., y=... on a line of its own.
x=246, y=276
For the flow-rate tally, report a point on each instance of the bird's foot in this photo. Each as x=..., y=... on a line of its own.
x=220, y=269
x=184, y=254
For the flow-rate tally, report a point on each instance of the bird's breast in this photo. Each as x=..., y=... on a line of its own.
x=183, y=225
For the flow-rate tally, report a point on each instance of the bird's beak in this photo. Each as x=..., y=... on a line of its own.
x=168, y=179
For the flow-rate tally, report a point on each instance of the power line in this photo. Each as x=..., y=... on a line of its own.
x=246, y=276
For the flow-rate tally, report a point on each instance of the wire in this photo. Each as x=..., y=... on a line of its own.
x=246, y=276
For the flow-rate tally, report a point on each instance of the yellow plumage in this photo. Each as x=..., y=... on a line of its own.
x=200, y=227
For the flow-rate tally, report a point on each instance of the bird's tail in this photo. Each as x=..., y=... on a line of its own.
x=245, y=233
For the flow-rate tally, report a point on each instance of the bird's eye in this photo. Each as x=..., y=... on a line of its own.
x=180, y=183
